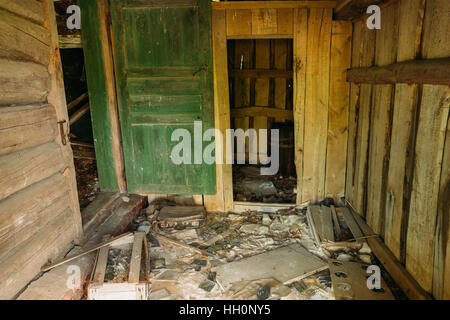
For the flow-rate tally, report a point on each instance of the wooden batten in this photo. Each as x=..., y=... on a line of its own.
x=433, y=71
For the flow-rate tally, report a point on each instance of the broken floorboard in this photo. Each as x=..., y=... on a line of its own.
x=52, y=285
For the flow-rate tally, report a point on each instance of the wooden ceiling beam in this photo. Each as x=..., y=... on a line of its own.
x=353, y=9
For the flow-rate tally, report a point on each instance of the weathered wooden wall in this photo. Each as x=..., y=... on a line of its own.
x=306, y=68
x=39, y=212
x=397, y=164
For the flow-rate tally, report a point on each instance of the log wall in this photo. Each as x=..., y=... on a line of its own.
x=398, y=149
x=39, y=213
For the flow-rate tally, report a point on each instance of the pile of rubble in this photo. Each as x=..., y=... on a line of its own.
x=240, y=256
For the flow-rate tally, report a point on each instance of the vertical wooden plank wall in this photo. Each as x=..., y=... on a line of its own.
x=400, y=183
x=338, y=124
x=321, y=56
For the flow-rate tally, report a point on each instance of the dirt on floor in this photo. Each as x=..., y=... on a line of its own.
x=250, y=186
x=184, y=261
x=87, y=181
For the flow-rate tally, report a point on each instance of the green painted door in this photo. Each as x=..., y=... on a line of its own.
x=164, y=75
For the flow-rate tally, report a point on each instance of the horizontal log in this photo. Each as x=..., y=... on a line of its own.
x=23, y=82
x=353, y=9
x=23, y=263
x=262, y=74
x=232, y=5
x=30, y=9
x=433, y=71
x=29, y=210
x=26, y=126
x=21, y=169
x=23, y=40
x=280, y=114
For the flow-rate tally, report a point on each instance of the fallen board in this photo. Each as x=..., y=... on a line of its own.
x=351, y=223
x=350, y=282
x=284, y=264
x=323, y=222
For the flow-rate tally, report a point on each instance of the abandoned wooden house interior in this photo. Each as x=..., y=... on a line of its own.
x=161, y=149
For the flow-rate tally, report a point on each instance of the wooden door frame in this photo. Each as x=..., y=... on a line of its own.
x=223, y=200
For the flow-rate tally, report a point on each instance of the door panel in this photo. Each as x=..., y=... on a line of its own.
x=164, y=75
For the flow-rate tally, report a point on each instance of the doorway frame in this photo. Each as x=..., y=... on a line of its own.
x=257, y=21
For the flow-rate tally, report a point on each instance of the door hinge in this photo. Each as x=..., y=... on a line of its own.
x=61, y=132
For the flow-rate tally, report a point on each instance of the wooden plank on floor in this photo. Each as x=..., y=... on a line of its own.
x=136, y=257
x=100, y=267
x=337, y=226
x=300, y=53
x=341, y=38
x=317, y=98
x=351, y=223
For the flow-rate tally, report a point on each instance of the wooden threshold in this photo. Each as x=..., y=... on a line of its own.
x=240, y=206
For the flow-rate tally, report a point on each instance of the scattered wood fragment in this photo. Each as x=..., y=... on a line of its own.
x=336, y=223
x=181, y=244
x=92, y=249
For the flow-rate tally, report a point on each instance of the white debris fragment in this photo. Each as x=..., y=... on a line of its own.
x=365, y=249
x=365, y=258
x=266, y=220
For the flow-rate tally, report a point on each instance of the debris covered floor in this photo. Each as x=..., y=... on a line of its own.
x=253, y=255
